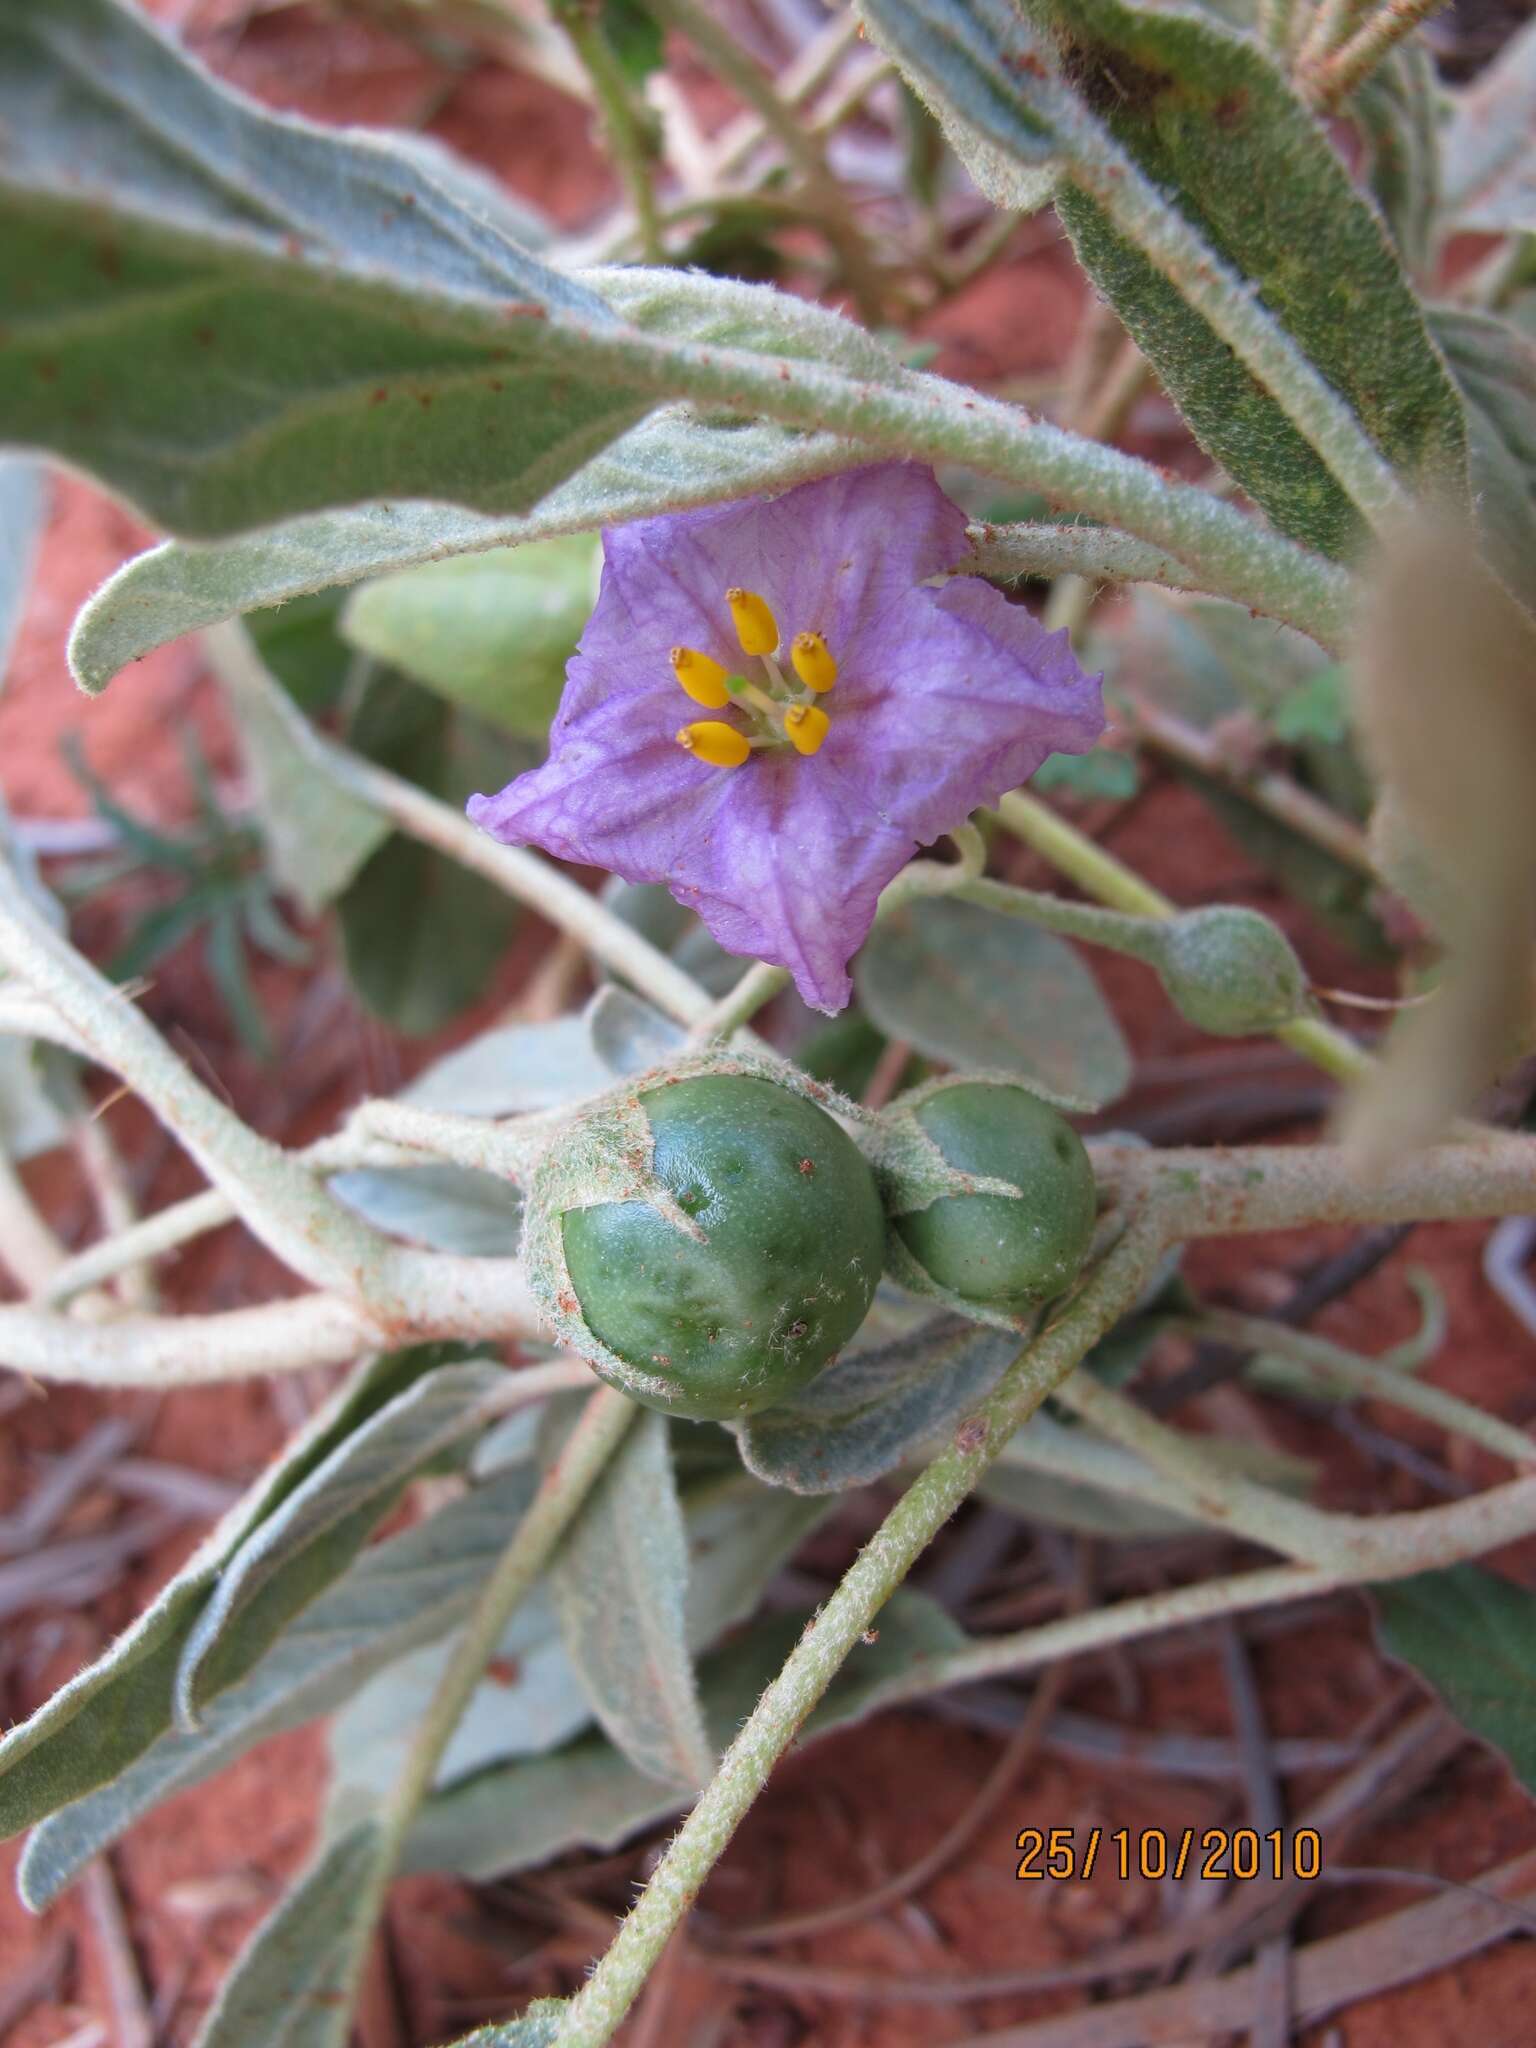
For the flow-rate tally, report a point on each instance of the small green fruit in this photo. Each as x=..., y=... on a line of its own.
x=1001, y=1251
x=1231, y=971
x=781, y=1275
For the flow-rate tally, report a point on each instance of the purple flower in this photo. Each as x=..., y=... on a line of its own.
x=845, y=712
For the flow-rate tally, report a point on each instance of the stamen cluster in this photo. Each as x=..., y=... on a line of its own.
x=774, y=711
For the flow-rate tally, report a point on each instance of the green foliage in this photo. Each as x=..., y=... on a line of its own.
x=491, y=630
x=94, y=1727
x=507, y=1820
x=1472, y=1635
x=619, y=1584
x=975, y=989
x=1192, y=102
x=878, y=1406
x=1494, y=365
x=223, y=893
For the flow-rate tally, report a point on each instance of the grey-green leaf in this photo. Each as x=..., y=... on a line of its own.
x=446, y=1208
x=398, y=1595
x=874, y=1409
x=351, y=328
x=619, y=1582
x=290, y=1985
x=667, y=463
x=108, y=1714
x=322, y=1524
x=1472, y=1635
x=1211, y=121
x=588, y=1793
x=316, y=833
x=492, y=631
x=967, y=986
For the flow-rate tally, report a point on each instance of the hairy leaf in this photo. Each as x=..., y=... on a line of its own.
x=1495, y=366
x=109, y=1713
x=290, y=1985
x=1212, y=125
x=323, y=1523
x=1472, y=1635
x=399, y=1594
x=667, y=463
x=317, y=834
x=619, y=1582
x=873, y=1409
x=1397, y=113
x=446, y=1208
x=628, y=1035
x=975, y=989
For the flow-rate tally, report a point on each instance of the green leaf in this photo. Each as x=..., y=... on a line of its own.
x=398, y=1594
x=629, y=1035
x=1490, y=168
x=1101, y=773
x=290, y=1986
x=513, y=1068
x=619, y=1581
x=349, y=328
x=323, y=1523
x=635, y=36
x=538, y=2028
x=445, y=1208
x=492, y=631
x=967, y=986
x=588, y=1793
x=1494, y=365
x=873, y=1409
x=1472, y=1635
x=1213, y=127
x=668, y=463
x=422, y=933
x=1209, y=119
x=1317, y=709
x=108, y=1714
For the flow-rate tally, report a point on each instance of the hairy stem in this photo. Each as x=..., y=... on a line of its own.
x=1341, y=71
x=632, y=154
x=870, y=1581
x=1099, y=874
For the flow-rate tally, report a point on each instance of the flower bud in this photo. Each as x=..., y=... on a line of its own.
x=1231, y=971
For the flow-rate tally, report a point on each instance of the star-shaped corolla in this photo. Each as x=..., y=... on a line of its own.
x=848, y=705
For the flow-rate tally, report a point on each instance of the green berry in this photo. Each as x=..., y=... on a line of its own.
x=1231, y=971
x=1003, y=1251
x=785, y=1271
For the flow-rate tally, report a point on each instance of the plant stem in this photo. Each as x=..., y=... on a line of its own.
x=726, y=58
x=631, y=152
x=1099, y=874
x=1347, y=67
x=875, y=1574
x=1335, y=1368
x=1269, y=790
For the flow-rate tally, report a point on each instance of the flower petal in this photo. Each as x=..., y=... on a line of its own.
x=953, y=697
x=830, y=557
x=782, y=872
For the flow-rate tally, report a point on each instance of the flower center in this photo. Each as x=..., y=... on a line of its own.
x=771, y=711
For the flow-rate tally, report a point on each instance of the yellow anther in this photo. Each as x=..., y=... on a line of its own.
x=807, y=726
x=712, y=740
x=813, y=662
x=701, y=676
x=756, y=627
